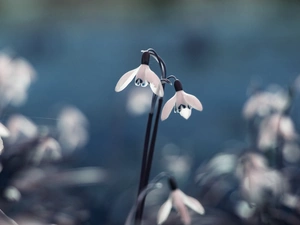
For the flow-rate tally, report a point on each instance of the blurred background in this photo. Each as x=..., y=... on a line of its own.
x=219, y=50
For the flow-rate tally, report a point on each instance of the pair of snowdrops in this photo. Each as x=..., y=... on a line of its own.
x=182, y=102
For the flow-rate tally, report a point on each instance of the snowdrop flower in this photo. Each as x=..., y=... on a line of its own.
x=21, y=129
x=179, y=200
x=182, y=103
x=16, y=75
x=72, y=127
x=219, y=165
x=143, y=76
x=272, y=127
x=258, y=181
x=263, y=103
x=49, y=148
x=4, y=132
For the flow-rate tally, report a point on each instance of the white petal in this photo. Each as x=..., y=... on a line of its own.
x=155, y=83
x=186, y=113
x=164, y=211
x=21, y=128
x=1, y=145
x=48, y=149
x=141, y=73
x=168, y=108
x=287, y=128
x=72, y=127
x=193, y=101
x=180, y=98
x=194, y=204
x=4, y=132
x=178, y=198
x=158, y=91
x=125, y=80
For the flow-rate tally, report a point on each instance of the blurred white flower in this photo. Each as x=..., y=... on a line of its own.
x=21, y=128
x=182, y=103
x=49, y=148
x=274, y=126
x=223, y=163
x=4, y=132
x=176, y=163
x=139, y=101
x=143, y=76
x=72, y=127
x=244, y=210
x=258, y=182
x=253, y=159
x=1, y=146
x=263, y=103
x=291, y=152
x=291, y=201
x=16, y=76
x=5, y=67
x=179, y=201
x=12, y=193
x=179, y=166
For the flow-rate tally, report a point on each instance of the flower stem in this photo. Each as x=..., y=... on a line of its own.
x=146, y=143
x=145, y=155
x=149, y=160
x=140, y=198
x=153, y=141
x=145, y=152
x=148, y=152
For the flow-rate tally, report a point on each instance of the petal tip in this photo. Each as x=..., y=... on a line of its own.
x=165, y=114
x=201, y=109
x=166, y=111
x=164, y=212
x=163, y=118
x=161, y=92
x=195, y=205
x=125, y=80
x=117, y=89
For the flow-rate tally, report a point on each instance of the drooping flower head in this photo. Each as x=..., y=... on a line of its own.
x=16, y=75
x=143, y=76
x=179, y=201
x=182, y=103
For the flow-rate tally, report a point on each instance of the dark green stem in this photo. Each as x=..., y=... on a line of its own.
x=140, y=198
x=148, y=166
x=153, y=141
x=148, y=154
